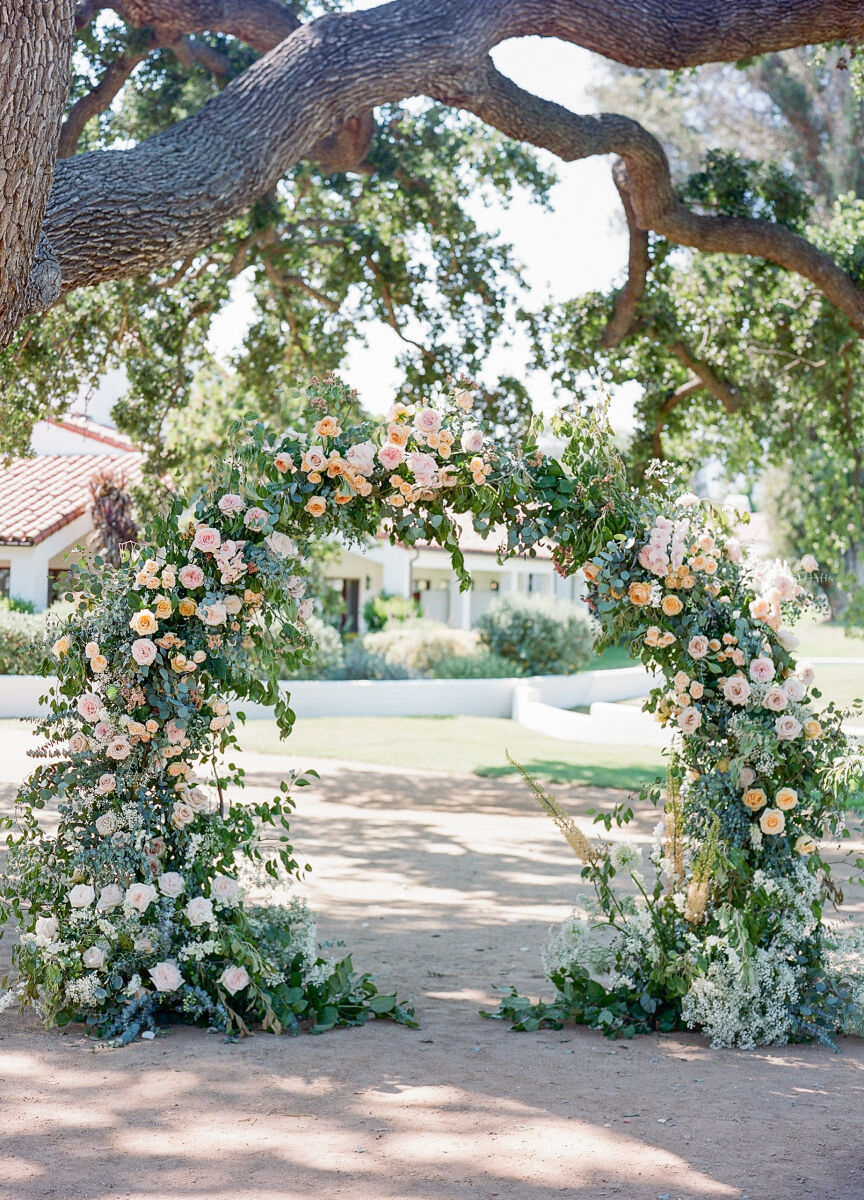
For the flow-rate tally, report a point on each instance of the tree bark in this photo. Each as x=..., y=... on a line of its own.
x=116, y=213
x=35, y=52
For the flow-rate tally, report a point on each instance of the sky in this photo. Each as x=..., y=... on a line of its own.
x=577, y=246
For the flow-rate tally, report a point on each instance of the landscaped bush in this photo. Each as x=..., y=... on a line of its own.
x=538, y=634
x=22, y=642
x=417, y=646
x=327, y=658
x=483, y=664
x=384, y=609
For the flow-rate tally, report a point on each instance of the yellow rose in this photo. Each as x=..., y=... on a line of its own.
x=162, y=607
x=772, y=822
x=144, y=622
x=754, y=798
x=61, y=646
x=179, y=663
x=671, y=606
x=786, y=798
x=187, y=607
x=639, y=593
x=812, y=730
x=805, y=844
x=316, y=506
x=98, y=663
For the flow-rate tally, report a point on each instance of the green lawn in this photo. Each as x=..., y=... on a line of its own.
x=470, y=745
x=821, y=639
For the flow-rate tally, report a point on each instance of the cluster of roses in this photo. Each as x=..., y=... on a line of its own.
x=412, y=457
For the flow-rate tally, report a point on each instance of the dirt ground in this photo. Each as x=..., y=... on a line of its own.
x=445, y=885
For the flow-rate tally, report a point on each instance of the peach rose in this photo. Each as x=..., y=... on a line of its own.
x=786, y=798
x=187, y=607
x=696, y=690
x=736, y=689
x=805, y=844
x=61, y=646
x=162, y=607
x=98, y=663
x=760, y=608
x=671, y=606
x=327, y=427
x=697, y=647
x=812, y=730
x=772, y=822
x=316, y=506
x=591, y=571
x=213, y=614
x=639, y=593
x=754, y=799
x=144, y=622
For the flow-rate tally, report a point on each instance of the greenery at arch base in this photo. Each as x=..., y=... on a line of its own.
x=156, y=899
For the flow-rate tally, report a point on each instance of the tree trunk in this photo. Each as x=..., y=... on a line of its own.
x=35, y=55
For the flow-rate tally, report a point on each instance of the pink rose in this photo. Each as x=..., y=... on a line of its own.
x=423, y=467
x=304, y=612
x=472, y=440
x=761, y=670
x=118, y=749
x=78, y=743
x=144, y=651
x=697, y=647
x=748, y=777
x=255, y=518
x=794, y=689
x=775, y=700
x=361, y=458
x=736, y=689
x=89, y=706
x=166, y=977
x=314, y=459
x=207, y=539
x=212, y=614
x=102, y=730
x=230, y=503
x=107, y=783
x=806, y=674
x=787, y=727
x=173, y=732
x=390, y=455
x=191, y=576
x=428, y=420
x=234, y=979
x=689, y=719
x=809, y=564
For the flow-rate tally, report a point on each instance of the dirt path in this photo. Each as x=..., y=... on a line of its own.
x=445, y=885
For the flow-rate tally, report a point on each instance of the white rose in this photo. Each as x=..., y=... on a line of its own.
x=140, y=896
x=94, y=958
x=280, y=544
x=233, y=605
x=171, y=883
x=787, y=639
x=234, y=979
x=199, y=911
x=106, y=823
x=472, y=440
x=181, y=815
x=166, y=977
x=109, y=898
x=82, y=895
x=809, y=564
x=794, y=689
x=225, y=889
x=46, y=927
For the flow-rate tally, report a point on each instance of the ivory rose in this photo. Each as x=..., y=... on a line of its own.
x=689, y=719
x=809, y=564
x=775, y=700
x=46, y=927
x=281, y=544
x=191, y=576
x=225, y=889
x=199, y=911
x=428, y=420
x=255, y=518
x=93, y=958
x=305, y=610
x=761, y=670
x=107, y=783
x=736, y=689
x=234, y=979
x=110, y=897
x=140, y=896
x=182, y=814
x=472, y=440
x=166, y=977
x=171, y=883
x=233, y=605
x=794, y=689
x=787, y=639
x=144, y=651
x=697, y=647
x=772, y=822
x=106, y=823
x=118, y=749
x=81, y=895
x=207, y=539
x=748, y=776
x=787, y=727
x=390, y=455
x=361, y=457
x=464, y=399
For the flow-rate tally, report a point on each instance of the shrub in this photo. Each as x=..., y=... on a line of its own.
x=361, y=663
x=22, y=642
x=326, y=657
x=540, y=635
x=481, y=665
x=384, y=608
x=416, y=646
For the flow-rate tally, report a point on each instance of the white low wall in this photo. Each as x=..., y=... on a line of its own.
x=606, y=723
x=19, y=694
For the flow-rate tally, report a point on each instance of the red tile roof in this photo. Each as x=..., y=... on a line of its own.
x=82, y=424
x=40, y=495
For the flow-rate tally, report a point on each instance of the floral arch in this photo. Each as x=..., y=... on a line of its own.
x=144, y=905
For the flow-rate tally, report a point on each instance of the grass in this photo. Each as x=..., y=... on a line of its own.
x=468, y=745
x=822, y=639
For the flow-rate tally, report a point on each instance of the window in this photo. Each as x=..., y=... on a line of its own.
x=4, y=581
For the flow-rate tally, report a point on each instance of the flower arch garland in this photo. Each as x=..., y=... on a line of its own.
x=138, y=908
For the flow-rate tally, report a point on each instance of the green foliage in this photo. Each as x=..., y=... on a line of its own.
x=483, y=664
x=325, y=657
x=539, y=635
x=412, y=649
x=385, y=607
x=22, y=642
